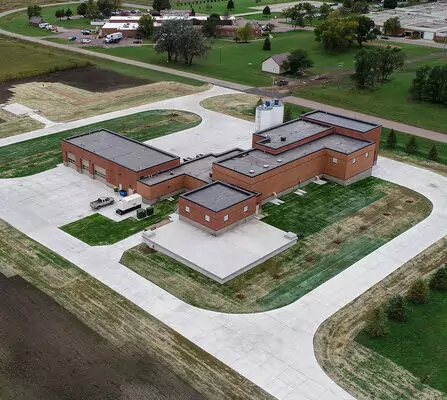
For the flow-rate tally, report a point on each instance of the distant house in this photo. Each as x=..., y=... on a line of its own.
x=273, y=64
x=35, y=21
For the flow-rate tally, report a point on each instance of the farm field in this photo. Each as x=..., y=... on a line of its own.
x=39, y=154
x=243, y=106
x=241, y=62
x=73, y=331
x=340, y=225
x=6, y=5
x=394, y=366
x=390, y=100
x=97, y=230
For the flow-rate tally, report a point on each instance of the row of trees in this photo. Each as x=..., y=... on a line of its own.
x=62, y=13
x=411, y=147
x=430, y=84
x=98, y=9
x=374, y=65
x=302, y=14
x=396, y=308
x=339, y=34
x=180, y=40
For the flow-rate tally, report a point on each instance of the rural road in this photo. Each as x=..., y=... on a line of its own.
x=438, y=136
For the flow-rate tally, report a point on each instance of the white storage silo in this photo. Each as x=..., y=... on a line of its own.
x=264, y=116
x=277, y=113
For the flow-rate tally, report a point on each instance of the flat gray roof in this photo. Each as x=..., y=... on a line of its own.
x=340, y=120
x=255, y=162
x=199, y=168
x=121, y=150
x=218, y=196
x=292, y=131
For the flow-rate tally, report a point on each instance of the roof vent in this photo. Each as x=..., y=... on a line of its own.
x=279, y=160
x=251, y=171
x=171, y=172
x=283, y=138
x=265, y=165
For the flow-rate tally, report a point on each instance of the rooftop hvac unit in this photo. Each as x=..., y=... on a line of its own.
x=265, y=165
x=279, y=160
x=251, y=171
x=283, y=138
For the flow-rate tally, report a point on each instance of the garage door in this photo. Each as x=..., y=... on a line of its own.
x=100, y=173
x=71, y=158
x=85, y=166
x=429, y=35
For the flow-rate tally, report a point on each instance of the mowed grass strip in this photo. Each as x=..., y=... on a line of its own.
x=341, y=225
x=40, y=154
x=97, y=230
x=419, y=344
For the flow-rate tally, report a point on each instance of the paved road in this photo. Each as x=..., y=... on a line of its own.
x=440, y=137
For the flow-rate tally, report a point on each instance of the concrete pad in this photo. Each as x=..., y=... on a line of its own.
x=18, y=109
x=219, y=257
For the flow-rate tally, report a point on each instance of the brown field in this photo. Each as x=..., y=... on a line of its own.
x=364, y=373
x=236, y=105
x=6, y=5
x=13, y=125
x=78, y=333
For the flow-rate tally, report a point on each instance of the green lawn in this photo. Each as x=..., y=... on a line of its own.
x=358, y=211
x=262, y=17
x=424, y=146
x=420, y=344
x=37, y=155
x=97, y=230
x=231, y=61
x=390, y=100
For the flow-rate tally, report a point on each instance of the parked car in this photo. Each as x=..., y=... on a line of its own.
x=101, y=202
x=85, y=41
x=86, y=32
x=43, y=25
x=282, y=82
x=384, y=37
x=72, y=38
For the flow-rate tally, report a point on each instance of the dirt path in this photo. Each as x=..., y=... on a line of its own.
x=363, y=372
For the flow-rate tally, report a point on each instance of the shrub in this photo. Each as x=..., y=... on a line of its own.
x=418, y=292
x=376, y=323
x=267, y=45
x=433, y=153
x=397, y=309
x=412, y=146
x=391, y=140
x=287, y=114
x=258, y=103
x=438, y=280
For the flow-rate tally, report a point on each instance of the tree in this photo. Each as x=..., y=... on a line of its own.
x=193, y=12
x=296, y=15
x=92, y=10
x=309, y=12
x=297, y=61
x=366, y=30
x=209, y=27
x=117, y=4
x=34, y=11
x=287, y=114
x=433, y=153
x=411, y=146
x=245, y=33
x=418, y=292
x=324, y=11
x=260, y=102
x=389, y=3
x=376, y=323
x=267, y=45
x=392, y=26
x=391, y=140
x=366, y=64
x=59, y=14
x=191, y=43
x=336, y=34
x=156, y=5
x=438, y=280
x=397, y=309
x=359, y=7
x=230, y=5
x=266, y=10
x=430, y=84
x=68, y=13
x=105, y=7
x=82, y=9
x=419, y=84
x=390, y=59
x=146, y=26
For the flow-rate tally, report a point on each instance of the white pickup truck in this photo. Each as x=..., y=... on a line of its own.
x=101, y=202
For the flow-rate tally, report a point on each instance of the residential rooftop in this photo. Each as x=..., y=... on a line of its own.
x=340, y=120
x=199, y=168
x=218, y=196
x=121, y=150
x=290, y=132
x=255, y=162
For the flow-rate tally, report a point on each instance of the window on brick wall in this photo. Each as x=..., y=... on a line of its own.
x=334, y=160
x=366, y=154
x=187, y=209
x=245, y=209
x=354, y=160
x=207, y=218
x=226, y=218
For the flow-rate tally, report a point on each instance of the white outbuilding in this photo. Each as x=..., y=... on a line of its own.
x=273, y=64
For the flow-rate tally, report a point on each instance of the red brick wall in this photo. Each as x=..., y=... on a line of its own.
x=235, y=213
x=116, y=174
x=175, y=184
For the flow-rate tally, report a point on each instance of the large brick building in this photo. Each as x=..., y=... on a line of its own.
x=221, y=190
